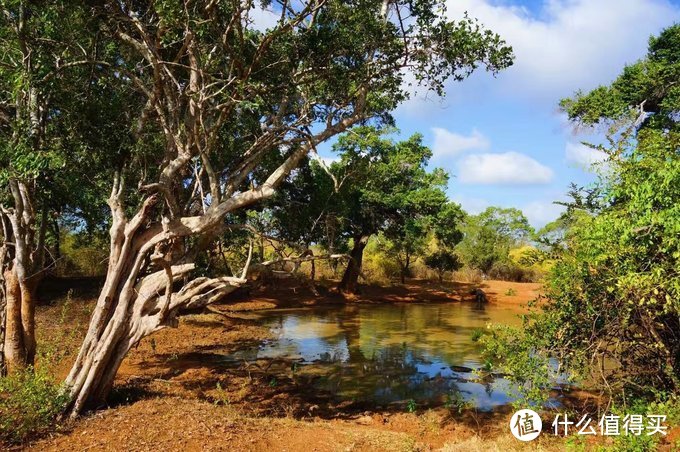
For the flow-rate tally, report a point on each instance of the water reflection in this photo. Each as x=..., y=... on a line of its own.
x=390, y=353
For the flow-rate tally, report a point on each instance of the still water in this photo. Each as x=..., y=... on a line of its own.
x=389, y=354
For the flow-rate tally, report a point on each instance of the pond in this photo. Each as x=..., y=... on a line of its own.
x=389, y=354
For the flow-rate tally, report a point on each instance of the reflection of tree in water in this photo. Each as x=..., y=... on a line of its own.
x=390, y=353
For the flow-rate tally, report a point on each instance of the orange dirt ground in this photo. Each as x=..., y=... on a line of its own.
x=170, y=394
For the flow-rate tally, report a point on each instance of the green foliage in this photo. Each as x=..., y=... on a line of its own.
x=82, y=255
x=508, y=270
x=29, y=405
x=619, y=272
x=381, y=188
x=387, y=187
x=379, y=266
x=524, y=358
x=443, y=261
x=411, y=406
x=612, y=311
x=489, y=236
x=648, y=86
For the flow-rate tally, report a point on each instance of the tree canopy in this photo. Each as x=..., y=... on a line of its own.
x=613, y=292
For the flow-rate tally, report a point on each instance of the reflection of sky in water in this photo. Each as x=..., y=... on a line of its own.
x=390, y=353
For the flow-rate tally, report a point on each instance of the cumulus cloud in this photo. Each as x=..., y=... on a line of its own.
x=509, y=168
x=569, y=44
x=582, y=155
x=448, y=144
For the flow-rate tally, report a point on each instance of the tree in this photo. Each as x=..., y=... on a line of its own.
x=406, y=241
x=386, y=188
x=432, y=217
x=443, y=261
x=613, y=293
x=489, y=236
x=228, y=113
x=39, y=66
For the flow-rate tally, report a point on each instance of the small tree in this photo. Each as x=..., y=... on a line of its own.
x=386, y=188
x=489, y=236
x=443, y=261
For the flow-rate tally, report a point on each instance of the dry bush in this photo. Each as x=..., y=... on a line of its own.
x=468, y=275
x=509, y=271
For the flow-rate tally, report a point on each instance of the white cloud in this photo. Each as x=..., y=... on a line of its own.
x=263, y=19
x=448, y=144
x=570, y=44
x=540, y=213
x=509, y=168
x=584, y=156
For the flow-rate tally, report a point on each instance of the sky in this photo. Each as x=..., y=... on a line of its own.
x=503, y=139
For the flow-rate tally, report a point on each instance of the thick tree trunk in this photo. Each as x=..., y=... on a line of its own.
x=350, y=279
x=19, y=339
x=28, y=302
x=137, y=299
x=22, y=276
x=14, y=349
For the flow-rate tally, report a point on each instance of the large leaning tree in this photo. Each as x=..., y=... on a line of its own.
x=228, y=112
x=41, y=64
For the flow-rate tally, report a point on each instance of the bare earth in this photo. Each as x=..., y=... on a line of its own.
x=172, y=393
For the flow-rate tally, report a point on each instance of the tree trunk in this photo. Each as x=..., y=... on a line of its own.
x=350, y=279
x=19, y=340
x=404, y=266
x=14, y=349
x=28, y=302
x=3, y=303
x=137, y=299
x=22, y=276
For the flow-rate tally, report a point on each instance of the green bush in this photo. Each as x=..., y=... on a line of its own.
x=29, y=405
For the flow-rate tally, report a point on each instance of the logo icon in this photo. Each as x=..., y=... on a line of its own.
x=526, y=425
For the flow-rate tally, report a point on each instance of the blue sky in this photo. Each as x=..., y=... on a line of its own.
x=503, y=139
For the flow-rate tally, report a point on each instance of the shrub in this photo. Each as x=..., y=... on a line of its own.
x=29, y=405
x=443, y=261
x=509, y=271
x=468, y=275
x=82, y=256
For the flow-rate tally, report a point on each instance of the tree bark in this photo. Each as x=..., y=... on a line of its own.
x=28, y=302
x=19, y=338
x=350, y=279
x=3, y=295
x=14, y=349
x=138, y=298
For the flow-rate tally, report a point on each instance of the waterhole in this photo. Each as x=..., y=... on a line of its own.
x=389, y=354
